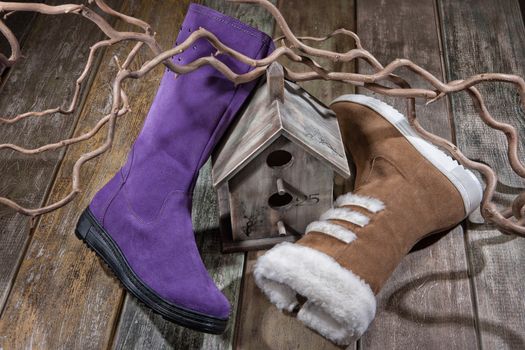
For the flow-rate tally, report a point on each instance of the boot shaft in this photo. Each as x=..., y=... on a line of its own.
x=192, y=111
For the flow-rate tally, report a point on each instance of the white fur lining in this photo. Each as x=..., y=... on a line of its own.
x=340, y=306
x=330, y=229
x=371, y=204
x=345, y=214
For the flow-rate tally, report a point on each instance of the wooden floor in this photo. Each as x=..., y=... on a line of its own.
x=466, y=291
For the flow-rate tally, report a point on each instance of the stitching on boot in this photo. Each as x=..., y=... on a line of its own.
x=123, y=179
x=159, y=211
x=110, y=201
x=393, y=164
x=131, y=161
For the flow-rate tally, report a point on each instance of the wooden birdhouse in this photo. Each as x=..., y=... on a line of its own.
x=274, y=169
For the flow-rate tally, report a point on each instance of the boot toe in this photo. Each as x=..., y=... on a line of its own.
x=339, y=305
x=215, y=304
x=194, y=292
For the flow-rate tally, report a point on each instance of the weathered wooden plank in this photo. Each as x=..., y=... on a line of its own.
x=139, y=328
x=62, y=298
x=56, y=50
x=260, y=324
x=250, y=14
x=486, y=42
x=310, y=18
x=481, y=36
x=427, y=299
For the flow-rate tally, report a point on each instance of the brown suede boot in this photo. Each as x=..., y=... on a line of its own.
x=405, y=190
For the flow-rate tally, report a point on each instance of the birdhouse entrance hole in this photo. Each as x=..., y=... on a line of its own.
x=279, y=159
x=279, y=201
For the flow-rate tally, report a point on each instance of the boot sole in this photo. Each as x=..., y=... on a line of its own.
x=97, y=239
x=463, y=179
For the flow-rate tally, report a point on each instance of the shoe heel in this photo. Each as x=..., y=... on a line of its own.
x=472, y=192
x=83, y=226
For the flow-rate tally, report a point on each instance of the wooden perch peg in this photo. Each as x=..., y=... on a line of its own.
x=281, y=228
x=283, y=187
x=280, y=186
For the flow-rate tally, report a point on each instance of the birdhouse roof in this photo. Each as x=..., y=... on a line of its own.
x=297, y=116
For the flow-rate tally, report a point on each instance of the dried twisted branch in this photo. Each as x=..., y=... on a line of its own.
x=114, y=37
x=510, y=220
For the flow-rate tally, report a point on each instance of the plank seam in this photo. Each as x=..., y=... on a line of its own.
x=473, y=289
x=115, y=326
x=238, y=316
x=443, y=58
x=446, y=76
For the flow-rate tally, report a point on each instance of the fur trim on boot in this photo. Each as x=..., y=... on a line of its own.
x=340, y=305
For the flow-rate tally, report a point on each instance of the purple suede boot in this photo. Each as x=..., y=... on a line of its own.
x=140, y=221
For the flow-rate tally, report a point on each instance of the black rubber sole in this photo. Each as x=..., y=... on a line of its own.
x=95, y=237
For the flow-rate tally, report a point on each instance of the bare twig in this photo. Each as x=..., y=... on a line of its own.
x=509, y=220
